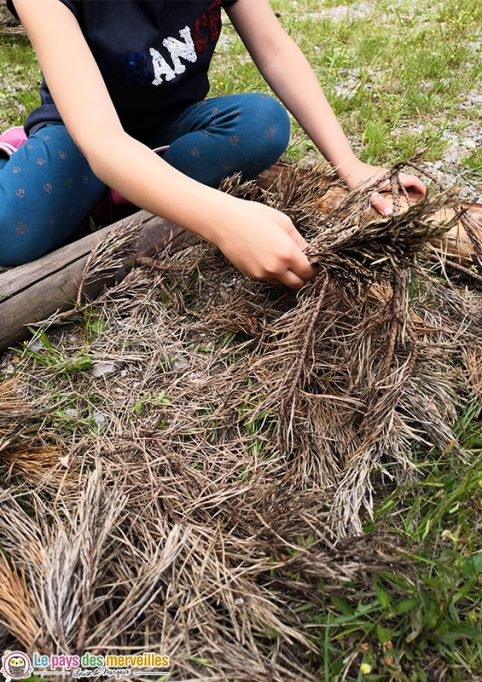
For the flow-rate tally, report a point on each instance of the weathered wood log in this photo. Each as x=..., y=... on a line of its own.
x=31, y=292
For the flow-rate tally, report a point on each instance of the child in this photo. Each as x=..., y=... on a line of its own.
x=125, y=77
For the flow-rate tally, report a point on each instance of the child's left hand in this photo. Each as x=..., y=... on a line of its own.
x=360, y=172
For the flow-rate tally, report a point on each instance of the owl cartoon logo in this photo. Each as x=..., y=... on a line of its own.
x=16, y=665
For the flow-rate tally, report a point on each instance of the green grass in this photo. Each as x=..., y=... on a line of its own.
x=423, y=622
x=19, y=80
x=410, y=67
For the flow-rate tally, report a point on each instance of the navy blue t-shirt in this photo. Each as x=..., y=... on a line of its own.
x=153, y=55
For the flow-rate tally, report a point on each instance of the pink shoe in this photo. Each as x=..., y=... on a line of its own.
x=11, y=140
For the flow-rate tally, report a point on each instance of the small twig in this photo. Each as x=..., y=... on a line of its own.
x=162, y=265
x=405, y=193
x=396, y=321
x=456, y=266
x=414, y=350
x=298, y=368
x=425, y=172
x=394, y=182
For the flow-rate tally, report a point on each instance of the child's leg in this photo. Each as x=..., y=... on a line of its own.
x=46, y=189
x=217, y=137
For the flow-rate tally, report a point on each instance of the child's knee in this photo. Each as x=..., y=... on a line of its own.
x=268, y=124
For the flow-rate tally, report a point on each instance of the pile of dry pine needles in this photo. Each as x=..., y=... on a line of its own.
x=241, y=428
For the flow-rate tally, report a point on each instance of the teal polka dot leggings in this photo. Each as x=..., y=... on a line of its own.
x=47, y=187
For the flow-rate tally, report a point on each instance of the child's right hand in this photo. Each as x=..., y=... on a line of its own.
x=263, y=243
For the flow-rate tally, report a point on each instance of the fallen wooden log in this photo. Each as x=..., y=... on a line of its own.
x=32, y=292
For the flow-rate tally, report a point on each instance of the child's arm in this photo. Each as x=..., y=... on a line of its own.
x=260, y=241
x=287, y=71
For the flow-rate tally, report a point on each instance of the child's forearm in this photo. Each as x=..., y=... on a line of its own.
x=292, y=78
x=260, y=241
x=139, y=174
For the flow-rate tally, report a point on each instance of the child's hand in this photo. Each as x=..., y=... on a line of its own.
x=264, y=244
x=360, y=172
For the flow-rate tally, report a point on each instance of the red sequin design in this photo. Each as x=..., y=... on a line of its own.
x=207, y=27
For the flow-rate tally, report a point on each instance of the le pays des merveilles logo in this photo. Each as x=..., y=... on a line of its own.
x=16, y=665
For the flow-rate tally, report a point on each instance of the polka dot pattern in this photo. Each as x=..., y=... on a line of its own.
x=21, y=228
x=243, y=133
x=47, y=187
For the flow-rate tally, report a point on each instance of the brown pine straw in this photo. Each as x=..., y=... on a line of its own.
x=245, y=429
x=22, y=451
